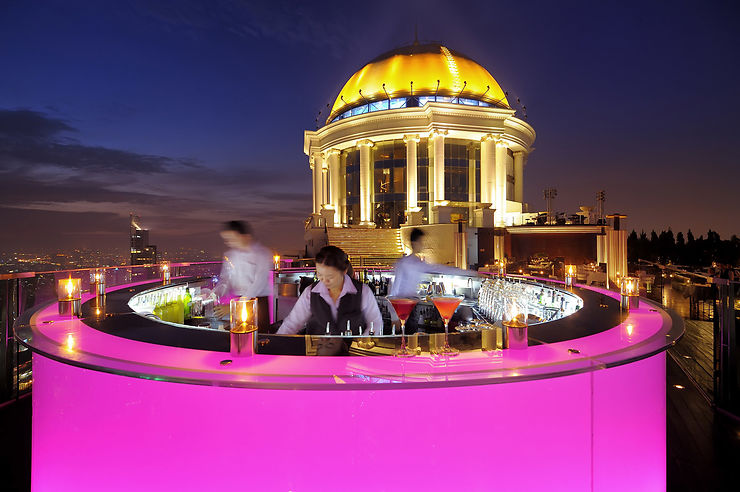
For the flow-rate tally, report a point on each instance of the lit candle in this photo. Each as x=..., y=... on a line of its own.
x=243, y=316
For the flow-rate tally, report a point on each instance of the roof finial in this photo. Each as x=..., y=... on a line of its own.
x=416, y=33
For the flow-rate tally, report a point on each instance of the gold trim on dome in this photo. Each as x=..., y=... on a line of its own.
x=443, y=73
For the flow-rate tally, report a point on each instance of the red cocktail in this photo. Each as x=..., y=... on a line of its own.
x=447, y=305
x=403, y=307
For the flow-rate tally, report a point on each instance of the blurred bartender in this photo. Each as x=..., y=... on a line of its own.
x=246, y=271
x=336, y=301
x=409, y=270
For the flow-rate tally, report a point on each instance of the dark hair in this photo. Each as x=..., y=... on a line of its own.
x=237, y=226
x=333, y=257
x=416, y=234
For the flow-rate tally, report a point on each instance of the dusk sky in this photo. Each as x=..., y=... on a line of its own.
x=192, y=113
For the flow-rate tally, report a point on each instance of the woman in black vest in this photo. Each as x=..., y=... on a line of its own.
x=334, y=304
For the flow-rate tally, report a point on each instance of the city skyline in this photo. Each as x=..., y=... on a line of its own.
x=190, y=114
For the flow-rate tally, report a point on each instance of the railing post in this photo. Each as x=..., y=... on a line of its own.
x=725, y=348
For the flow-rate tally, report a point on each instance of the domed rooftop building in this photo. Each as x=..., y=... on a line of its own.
x=419, y=135
x=423, y=136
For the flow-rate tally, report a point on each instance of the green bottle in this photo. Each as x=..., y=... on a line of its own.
x=187, y=301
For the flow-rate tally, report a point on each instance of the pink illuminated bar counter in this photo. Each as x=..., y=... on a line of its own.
x=121, y=405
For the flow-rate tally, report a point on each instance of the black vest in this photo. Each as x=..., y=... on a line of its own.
x=350, y=309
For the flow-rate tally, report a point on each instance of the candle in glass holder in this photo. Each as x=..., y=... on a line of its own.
x=570, y=274
x=166, y=273
x=69, y=295
x=276, y=261
x=516, y=331
x=243, y=320
x=97, y=282
x=630, y=292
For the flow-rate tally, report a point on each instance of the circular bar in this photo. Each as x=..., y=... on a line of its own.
x=123, y=402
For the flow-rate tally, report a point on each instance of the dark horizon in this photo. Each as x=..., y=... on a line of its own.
x=193, y=113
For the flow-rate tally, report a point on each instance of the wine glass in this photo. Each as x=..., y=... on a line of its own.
x=403, y=307
x=447, y=305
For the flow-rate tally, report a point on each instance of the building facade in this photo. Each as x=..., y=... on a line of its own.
x=420, y=135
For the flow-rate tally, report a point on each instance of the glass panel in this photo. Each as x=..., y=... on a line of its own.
x=399, y=102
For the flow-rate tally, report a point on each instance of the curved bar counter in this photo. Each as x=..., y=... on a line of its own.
x=122, y=402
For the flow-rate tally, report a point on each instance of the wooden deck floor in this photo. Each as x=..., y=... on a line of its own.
x=703, y=445
x=694, y=354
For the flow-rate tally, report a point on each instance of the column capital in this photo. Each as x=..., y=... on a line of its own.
x=501, y=142
x=366, y=142
x=411, y=138
x=490, y=136
x=437, y=133
x=332, y=152
x=520, y=153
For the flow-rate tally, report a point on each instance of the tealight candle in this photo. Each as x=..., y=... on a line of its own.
x=630, y=292
x=570, y=273
x=243, y=316
x=69, y=295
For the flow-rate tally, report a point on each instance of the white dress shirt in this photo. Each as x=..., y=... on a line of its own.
x=246, y=272
x=409, y=270
x=301, y=312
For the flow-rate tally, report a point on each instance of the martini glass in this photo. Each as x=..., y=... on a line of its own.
x=403, y=307
x=447, y=305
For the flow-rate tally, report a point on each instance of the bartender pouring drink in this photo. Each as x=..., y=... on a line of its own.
x=336, y=301
x=410, y=269
x=246, y=271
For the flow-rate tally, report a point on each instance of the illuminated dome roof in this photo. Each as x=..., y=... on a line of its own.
x=433, y=69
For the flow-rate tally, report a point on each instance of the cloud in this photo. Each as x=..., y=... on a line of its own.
x=43, y=172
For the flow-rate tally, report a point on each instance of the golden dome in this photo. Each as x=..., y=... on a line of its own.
x=433, y=69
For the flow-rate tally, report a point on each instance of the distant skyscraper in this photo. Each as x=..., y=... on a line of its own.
x=142, y=253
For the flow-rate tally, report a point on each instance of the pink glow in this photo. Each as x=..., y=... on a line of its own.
x=600, y=429
x=96, y=431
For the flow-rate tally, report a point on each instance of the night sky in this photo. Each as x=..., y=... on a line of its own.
x=191, y=113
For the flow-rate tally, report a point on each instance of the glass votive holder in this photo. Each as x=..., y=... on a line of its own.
x=570, y=274
x=166, y=278
x=97, y=282
x=243, y=326
x=69, y=295
x=630, y=293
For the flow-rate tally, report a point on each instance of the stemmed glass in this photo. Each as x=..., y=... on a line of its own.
x=447, y=305
x=403, y=307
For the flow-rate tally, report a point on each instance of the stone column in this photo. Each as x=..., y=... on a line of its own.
x=501, y=156
x=488, y=170
x=335, y=187
x=366, y=182
x=438, y=141
x=317, y=163
x=324, y=183
x=412, y=191
x=413, y=211
x=520, y=157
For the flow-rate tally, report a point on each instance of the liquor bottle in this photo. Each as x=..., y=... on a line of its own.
x=187, y=301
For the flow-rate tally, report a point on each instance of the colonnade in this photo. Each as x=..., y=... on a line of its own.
x=327, y=186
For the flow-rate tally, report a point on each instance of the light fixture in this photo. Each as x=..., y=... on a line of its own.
x=570, y=273
x=166, y=278
x=630, y=292
x=69, y=295
x=243, y=323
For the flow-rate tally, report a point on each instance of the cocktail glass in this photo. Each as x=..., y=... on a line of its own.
x=403, y=307
x=447, y=305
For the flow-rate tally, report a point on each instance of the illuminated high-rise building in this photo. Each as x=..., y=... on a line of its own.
x=142, y=253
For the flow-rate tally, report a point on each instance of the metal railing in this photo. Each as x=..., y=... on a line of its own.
x=21, y=292
x=709, y=351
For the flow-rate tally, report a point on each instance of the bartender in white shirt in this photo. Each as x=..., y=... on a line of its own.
x=246, y=271
x=336, y=301
x=409, y=270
